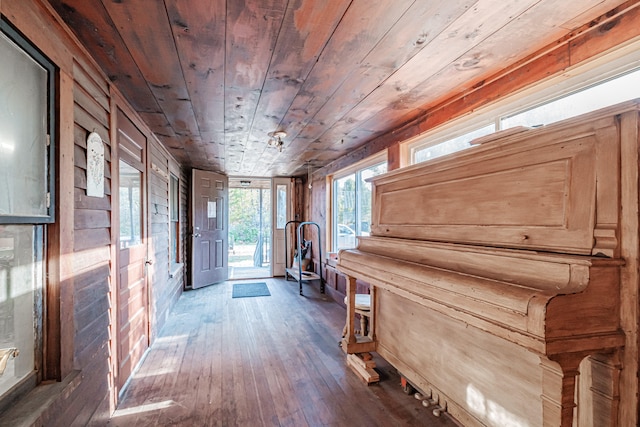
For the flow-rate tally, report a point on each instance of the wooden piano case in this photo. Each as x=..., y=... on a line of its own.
x=497, y=273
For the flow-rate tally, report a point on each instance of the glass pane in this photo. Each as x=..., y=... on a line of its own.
x=611, y=92
x=344, y=233
x=250, y=217
x=281, y=208
x=23, y=133
x=174, y=203
x=364, y=198
x=130, y=206
x=174, y=209
x=262, y=255
x=174, y=242
x=21, y=275
x=452, y=145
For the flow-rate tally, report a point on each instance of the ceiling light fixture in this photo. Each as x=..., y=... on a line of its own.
x=245, y=183
x=275, y=139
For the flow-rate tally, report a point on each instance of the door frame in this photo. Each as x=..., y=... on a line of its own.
x=118, y=103
x=197, y=233
x=275, y=250
x=235, y=182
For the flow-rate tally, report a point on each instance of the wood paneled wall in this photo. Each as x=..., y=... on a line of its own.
x=92, y=240
x=167, y=283
x=82, y=256
x=614, y=29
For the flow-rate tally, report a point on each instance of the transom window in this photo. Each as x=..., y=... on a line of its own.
x=609, y=92
x=428, y=152
x=571, y=102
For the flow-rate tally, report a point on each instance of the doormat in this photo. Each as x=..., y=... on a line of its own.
x=246, y=290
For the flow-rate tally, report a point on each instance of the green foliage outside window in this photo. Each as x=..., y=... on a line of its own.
x=245, y=216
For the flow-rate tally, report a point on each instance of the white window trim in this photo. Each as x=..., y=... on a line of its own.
x=381, y=157
x=615, y=63
x=175, y=268
x=362, y=164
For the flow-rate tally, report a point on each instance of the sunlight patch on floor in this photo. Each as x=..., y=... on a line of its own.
x=144, y=408
x=153, y=373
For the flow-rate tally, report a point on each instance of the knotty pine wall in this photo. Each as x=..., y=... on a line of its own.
x=617, y=28
x=82, y=250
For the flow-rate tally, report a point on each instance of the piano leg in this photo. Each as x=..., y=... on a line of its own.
x=372, y=314
x=559, y=388
x=604, y=370
x=351, y=309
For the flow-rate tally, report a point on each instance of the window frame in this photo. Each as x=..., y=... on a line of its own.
x=449, y=137
x=606, y=68
x=23, y=43
x=47, y=357
x=355, y=169
x=174, y=197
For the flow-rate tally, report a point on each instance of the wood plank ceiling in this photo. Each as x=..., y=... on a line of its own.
x=213, y=78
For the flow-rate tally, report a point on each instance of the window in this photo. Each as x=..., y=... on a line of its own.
x=351, y=202
x=27, y=124
x=130, y=206
x=174, y=221
x=566, y=96
x=26, y=131
x=21, y=293
x=604, y=94
x=432, y=150
x=281, y=206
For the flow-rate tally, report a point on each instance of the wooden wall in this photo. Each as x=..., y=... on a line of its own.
x=612, y=30
x=167, y=282
x=92, y=244
x=82, y=252
x=81, y=242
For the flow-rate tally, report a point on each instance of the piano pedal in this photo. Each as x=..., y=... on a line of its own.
x=427, y=400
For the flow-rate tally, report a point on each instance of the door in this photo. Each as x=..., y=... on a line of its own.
x=210, y=234
x=282, y=213
x=132, y=313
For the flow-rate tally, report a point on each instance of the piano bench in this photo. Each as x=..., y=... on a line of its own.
x=363, y=308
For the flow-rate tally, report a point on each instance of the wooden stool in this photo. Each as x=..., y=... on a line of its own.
x=363, y=308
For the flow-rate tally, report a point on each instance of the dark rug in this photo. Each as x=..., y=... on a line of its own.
x=245, y=290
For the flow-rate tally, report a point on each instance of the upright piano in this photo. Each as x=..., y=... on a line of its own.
x=496, y=273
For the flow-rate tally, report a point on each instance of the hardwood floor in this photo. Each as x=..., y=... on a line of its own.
x=272, y=361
